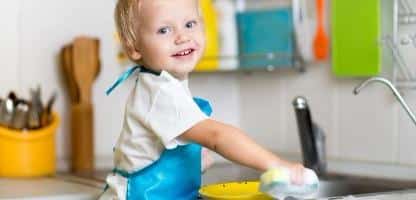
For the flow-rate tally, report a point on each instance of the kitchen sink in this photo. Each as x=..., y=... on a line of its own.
x=355, y=186
x=331, y=186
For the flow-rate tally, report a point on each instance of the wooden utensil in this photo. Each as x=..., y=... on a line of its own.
x=97, y=54
x=85, y=66
x=67, y=65
x=82, y=139
x=320, y=43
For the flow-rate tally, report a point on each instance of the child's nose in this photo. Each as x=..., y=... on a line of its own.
x=182, y=38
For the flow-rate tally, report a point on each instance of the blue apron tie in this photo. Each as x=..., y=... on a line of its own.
x=126, y=74
x=121, y=79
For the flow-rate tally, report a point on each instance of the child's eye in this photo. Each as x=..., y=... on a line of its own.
x=190, y=24
x=164, y=30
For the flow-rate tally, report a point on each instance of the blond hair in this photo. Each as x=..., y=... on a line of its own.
x=125, y=23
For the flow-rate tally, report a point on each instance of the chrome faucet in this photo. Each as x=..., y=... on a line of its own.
x=393, y=89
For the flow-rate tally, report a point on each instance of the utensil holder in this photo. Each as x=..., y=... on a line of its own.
x=28, y=153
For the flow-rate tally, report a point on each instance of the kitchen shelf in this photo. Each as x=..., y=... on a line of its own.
x=282, y=58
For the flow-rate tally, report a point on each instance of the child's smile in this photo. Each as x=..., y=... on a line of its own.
x=184, y=53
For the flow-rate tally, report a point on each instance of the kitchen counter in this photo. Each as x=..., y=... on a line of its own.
x=397, y=195
x=50, y=188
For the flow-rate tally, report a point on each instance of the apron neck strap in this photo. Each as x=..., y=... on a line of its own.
x=125, y=75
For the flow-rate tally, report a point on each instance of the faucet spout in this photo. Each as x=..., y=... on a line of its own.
x=392, y=88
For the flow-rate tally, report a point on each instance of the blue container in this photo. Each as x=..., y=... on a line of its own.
x=266, y=38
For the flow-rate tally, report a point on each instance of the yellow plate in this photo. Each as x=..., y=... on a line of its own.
x=246, y=190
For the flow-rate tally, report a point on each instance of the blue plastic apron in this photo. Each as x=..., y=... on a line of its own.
x=175, y=175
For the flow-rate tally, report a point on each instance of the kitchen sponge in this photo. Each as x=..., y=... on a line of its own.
x=276, y=183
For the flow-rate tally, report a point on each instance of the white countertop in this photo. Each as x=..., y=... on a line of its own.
x=47, y=188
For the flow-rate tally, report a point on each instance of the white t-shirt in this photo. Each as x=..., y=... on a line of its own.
x=159, y=109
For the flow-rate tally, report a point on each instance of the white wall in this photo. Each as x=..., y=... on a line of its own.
x=370, y=127
x=9, y=35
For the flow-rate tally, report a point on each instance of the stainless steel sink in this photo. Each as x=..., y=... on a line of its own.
x=331, y=186
x=345, y=187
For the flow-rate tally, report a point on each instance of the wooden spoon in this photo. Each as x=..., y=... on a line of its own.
x=66, y=64
x=85, y=66
x=97, y=53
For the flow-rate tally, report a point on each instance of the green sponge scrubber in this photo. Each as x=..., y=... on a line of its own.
x=276, y=183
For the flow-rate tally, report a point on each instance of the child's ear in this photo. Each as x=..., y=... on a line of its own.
x=132, y=52
x=135, y=55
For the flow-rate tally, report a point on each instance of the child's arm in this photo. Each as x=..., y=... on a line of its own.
x=236, y=146
x=206, y=159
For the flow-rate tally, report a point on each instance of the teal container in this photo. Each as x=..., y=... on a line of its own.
x=266, y=38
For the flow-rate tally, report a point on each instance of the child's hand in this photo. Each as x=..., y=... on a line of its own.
x=206, y=160
x=283, y=181
x=296, y=171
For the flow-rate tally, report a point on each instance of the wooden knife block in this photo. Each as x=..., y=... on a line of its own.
x=82, y=138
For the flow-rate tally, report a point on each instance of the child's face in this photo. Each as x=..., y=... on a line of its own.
x=170, y=35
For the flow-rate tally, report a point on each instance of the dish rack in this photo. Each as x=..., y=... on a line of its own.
x=404, y=17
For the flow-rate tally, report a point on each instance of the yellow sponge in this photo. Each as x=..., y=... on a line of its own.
x=275, y=175
x=277, y=183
